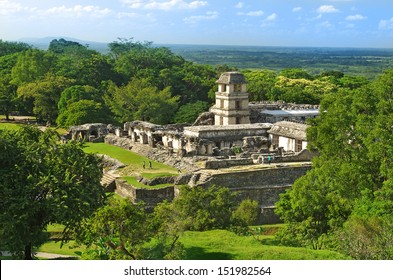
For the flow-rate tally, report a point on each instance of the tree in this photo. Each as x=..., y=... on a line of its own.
x=141, y=101
x=260, y=84
x=247, y=211
x=301, y=91
x=189, y=113
x=76, y=93
x=82, y=111
x=296, y=73
x=32, y=65
x=42, y=96
x=43, y=182
x=205, y=209
x=349, y=190
x=117, y=231
x=7, y=96
x=123, y=230
x=62, y=46
x=7, y=48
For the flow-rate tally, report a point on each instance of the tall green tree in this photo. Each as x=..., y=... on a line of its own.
x=117, y=231
x=81, y=112
x=7, y=48
x=43, y=182
x=349, y=188
x=260, y=84
x=141, y=101
x=7, y=96
x=32, y=65
x=76, y=93
x=42, y=96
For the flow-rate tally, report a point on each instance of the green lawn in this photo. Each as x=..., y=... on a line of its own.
x=133, y=160
x=220, y=245
x=10, y=126
x=225, y=245
x=15, y=126
x=134, y=182
x=68, y=249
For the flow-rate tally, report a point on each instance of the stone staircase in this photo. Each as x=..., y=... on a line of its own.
x=108, y=181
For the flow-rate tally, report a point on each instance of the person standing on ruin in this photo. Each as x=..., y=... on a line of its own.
x=144, y=165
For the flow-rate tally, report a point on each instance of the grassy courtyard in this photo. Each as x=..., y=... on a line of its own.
x=134, y=164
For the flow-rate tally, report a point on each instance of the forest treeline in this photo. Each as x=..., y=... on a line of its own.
x=352, y=61
x=70, y=84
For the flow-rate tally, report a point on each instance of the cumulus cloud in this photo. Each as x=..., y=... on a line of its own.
x=327, y=9
x=252, y=13
x=296, y=9
x=386, y=24
x=355, y=17
x=207, y=16
x=163, y=5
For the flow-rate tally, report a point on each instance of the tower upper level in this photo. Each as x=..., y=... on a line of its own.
x=231, y=100
x=231, y=82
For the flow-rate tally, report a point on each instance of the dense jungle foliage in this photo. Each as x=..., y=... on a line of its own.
x=345, y=202
x=70, y=84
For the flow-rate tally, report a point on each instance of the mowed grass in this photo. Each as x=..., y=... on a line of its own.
x=225, y=245
x=16, y=126
x=10, y=126
x=133, y=160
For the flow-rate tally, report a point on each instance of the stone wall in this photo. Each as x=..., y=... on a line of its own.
x=263, y=186
x=225, y=163
x=151, y=197
x=275, y=176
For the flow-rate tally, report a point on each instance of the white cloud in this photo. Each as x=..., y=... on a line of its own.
x=163, y=5
x=75, y=11
x=272, y=17
x=8, y=8
x=296, y=9
x=355, y=17
x=239, y=5
x=327, y=9
x=386, y=24
x=252, y=13
x=207, y=16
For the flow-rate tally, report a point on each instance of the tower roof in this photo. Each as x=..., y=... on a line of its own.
x=231, y=78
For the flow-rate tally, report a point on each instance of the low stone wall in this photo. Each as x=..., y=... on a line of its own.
x=122, y=142
x=225, y=163
x=151, y=197
x=304, y=155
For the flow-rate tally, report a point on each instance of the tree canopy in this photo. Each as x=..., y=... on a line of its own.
x=348, y=191
x=43, y=182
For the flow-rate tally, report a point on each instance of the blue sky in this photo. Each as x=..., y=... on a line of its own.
x=329, y=23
